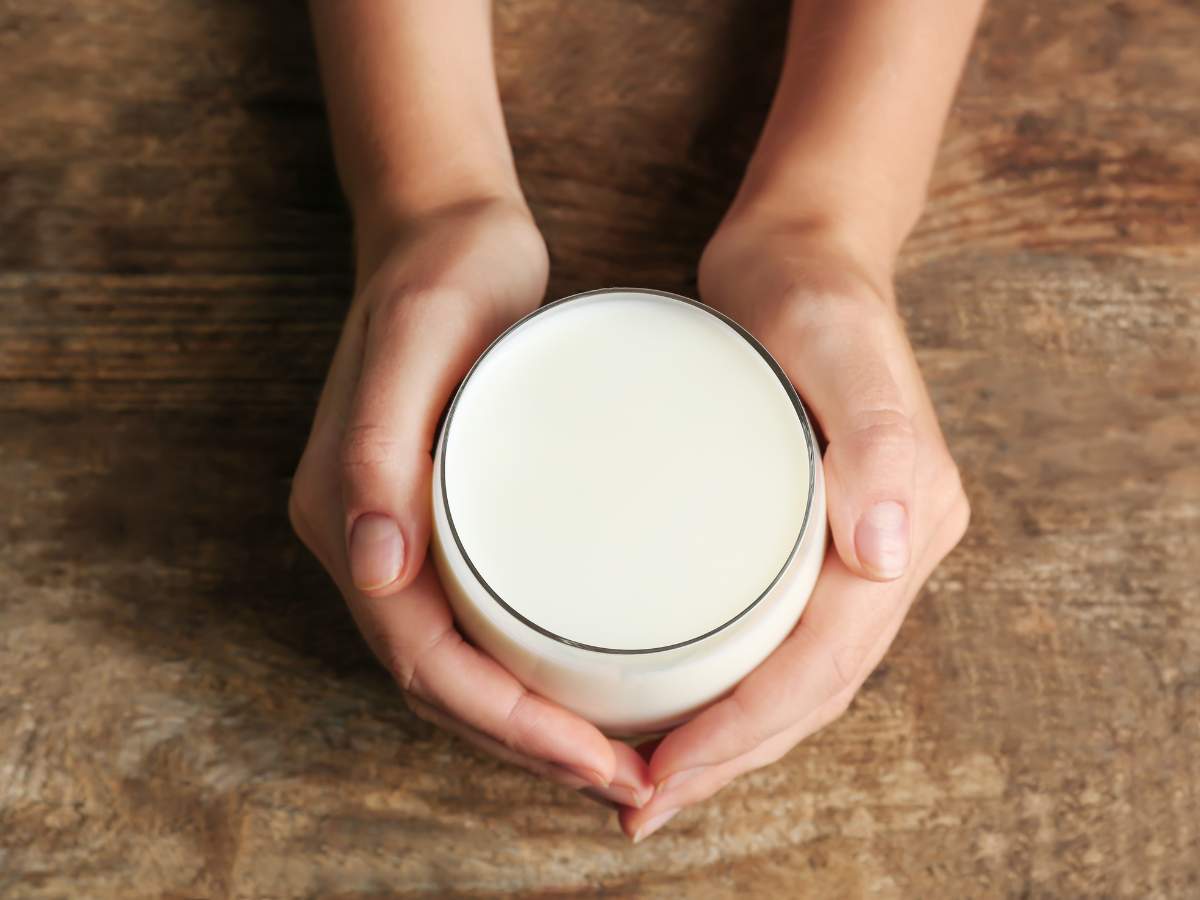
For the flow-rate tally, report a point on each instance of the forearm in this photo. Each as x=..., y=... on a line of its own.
x=413, y=105
x=854, y=128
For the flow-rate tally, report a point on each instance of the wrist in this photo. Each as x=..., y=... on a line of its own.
x=829, y=206
x=381, y=221
x=812, y=238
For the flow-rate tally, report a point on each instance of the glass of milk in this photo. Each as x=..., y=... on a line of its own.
x=629, y=508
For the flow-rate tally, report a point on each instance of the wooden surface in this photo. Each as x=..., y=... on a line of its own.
x=185, y=709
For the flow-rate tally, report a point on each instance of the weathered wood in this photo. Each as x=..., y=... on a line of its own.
x=185, y=709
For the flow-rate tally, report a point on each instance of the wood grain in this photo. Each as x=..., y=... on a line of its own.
x=185, y=708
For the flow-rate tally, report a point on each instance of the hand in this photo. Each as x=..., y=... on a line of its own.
x=896, y=506
x=432, y=293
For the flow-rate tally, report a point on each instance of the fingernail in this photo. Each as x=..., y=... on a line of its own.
x=591, y=776
x=653, y=825
x=376, y=552
x=673, y=781
x=882, y=539
x=634, y=795
x=622, y=794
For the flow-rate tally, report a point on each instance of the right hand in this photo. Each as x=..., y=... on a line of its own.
x=431, y=294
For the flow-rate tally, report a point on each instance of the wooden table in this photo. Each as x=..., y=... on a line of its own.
x=185, y=708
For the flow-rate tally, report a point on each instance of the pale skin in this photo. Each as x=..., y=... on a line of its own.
x=448, y=255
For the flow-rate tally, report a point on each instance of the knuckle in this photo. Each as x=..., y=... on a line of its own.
x=408, y=667
x=884, y=431
x=883, y=423
x=520, y=720
x=367, y=446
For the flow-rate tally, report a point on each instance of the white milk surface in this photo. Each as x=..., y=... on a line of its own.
x=626, y=471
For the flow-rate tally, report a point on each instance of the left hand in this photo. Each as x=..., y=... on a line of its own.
x=826, y=312
x=434, y=288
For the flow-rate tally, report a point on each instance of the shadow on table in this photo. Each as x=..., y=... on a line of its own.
x=189, y=517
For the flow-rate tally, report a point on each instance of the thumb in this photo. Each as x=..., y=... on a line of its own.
x=868, y=470
x=848, y=381
x=416, y=348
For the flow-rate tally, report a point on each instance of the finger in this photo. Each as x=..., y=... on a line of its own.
x=415, y=638
x=415, y=349
x=821, y=663
x=492, y=747
x=421, y=614
x=638, y=827
x=632, y=774
x=700, y=783
x=630, y=785
x=849, y=361
x=315, y=497
x=703, y=781
x=638, y=824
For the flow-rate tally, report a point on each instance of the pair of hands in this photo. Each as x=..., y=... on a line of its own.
x=431, y=295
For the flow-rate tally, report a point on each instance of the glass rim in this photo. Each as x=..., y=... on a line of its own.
x=789, y=389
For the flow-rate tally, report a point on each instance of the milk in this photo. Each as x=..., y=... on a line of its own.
x=628, y=506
